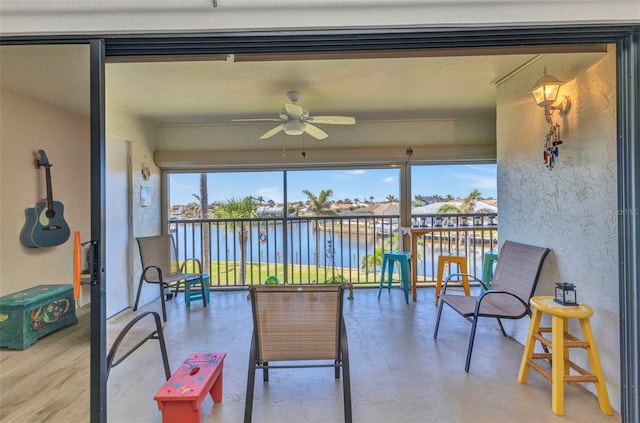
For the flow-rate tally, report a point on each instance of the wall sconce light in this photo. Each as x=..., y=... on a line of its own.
x=545, y=92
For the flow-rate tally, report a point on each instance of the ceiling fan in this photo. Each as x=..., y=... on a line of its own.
x=296, y=120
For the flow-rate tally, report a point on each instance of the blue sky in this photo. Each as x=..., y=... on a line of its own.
x=457, y=180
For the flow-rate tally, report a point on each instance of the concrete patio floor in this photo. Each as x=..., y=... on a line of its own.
x=399, y=373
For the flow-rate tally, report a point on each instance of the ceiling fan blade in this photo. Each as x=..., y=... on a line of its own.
x=257, y=120
x=294, y=109
x=272, y=132
x=315, y=132
x=332, y=120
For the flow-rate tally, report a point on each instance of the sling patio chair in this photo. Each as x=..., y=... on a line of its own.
x=513, y=284
x=301, y=323
x=160, y=266
x=132, y=336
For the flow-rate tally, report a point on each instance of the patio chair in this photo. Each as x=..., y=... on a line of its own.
x=160, y=266
x=513, y=284
x=132, y=337
x=294, y=324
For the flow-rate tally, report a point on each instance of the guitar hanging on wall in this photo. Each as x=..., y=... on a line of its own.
x=45, y=225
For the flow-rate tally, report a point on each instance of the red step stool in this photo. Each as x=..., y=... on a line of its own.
x=180, y=397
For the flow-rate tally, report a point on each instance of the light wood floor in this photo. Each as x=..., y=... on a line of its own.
x=399, y=373
x=49, y=381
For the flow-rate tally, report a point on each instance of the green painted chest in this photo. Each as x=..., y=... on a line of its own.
x=33, y=313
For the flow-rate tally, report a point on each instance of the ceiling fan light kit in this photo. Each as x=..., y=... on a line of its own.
x=296, y=120
x=294, y=127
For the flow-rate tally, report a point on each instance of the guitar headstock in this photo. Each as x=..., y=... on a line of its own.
x=43, y=159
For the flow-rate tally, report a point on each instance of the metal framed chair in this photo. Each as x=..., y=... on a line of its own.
x=301, y=323
x=512, y=285
x=138, y=334
x=160, y=266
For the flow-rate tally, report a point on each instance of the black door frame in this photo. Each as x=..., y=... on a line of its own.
x=625, y=37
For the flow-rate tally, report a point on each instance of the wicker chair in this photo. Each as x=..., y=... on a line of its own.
x=298, y=323
x=513, y=284
x=160, y=266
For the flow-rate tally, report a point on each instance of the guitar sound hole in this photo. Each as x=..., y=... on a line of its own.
x=50, y=213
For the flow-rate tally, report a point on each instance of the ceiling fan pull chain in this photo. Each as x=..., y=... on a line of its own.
x=284, y=147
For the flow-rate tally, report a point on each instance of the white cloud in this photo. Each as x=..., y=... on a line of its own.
x=388, y=180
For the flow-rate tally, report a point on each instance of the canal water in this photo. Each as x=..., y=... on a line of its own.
x=306, y=246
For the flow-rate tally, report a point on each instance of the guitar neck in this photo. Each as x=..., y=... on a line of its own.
x=49, y=188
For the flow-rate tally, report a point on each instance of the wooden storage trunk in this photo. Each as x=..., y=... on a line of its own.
x=33, y=313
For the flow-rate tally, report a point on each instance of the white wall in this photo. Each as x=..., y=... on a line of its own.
x=27, y=125
x=146, y=220
x=20, y=17
x=571, y=209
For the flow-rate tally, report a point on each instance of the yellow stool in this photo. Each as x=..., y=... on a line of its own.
x=560, y=343
x=461, y=261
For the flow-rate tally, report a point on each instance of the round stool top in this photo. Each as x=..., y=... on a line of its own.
x=546, y=304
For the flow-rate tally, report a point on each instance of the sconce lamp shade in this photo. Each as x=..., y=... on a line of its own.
x=545, y=91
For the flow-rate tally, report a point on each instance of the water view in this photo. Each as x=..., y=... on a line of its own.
x=329, y=244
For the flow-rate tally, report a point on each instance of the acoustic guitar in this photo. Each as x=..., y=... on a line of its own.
x=45, y=225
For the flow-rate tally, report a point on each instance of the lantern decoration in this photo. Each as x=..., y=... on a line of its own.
x=566, y=294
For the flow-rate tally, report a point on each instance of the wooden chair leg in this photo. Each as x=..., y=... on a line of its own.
x=529, y=347
x=596, y=369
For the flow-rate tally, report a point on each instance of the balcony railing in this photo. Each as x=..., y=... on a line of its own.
x=242, y=252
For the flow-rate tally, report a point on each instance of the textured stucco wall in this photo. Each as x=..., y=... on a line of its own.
x=571, y=209
x=146, y=220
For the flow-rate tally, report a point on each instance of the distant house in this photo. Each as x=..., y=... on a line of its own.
x=269, y=211
x=478, y=207
x=176, y=209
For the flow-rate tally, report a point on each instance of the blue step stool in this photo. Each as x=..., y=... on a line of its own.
x=196, y=293
x=388, y=260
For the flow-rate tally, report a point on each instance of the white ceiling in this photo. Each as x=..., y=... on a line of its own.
x=214, y=92
x=182, y=93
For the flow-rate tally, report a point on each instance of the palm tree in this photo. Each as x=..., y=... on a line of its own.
x=371, y=261
x=295, y=208
x=204, y=214
x=466, y=207
x=319, y=205
x=391, y=198
x=371, y=198
x=470, y=201
x=239, y=208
